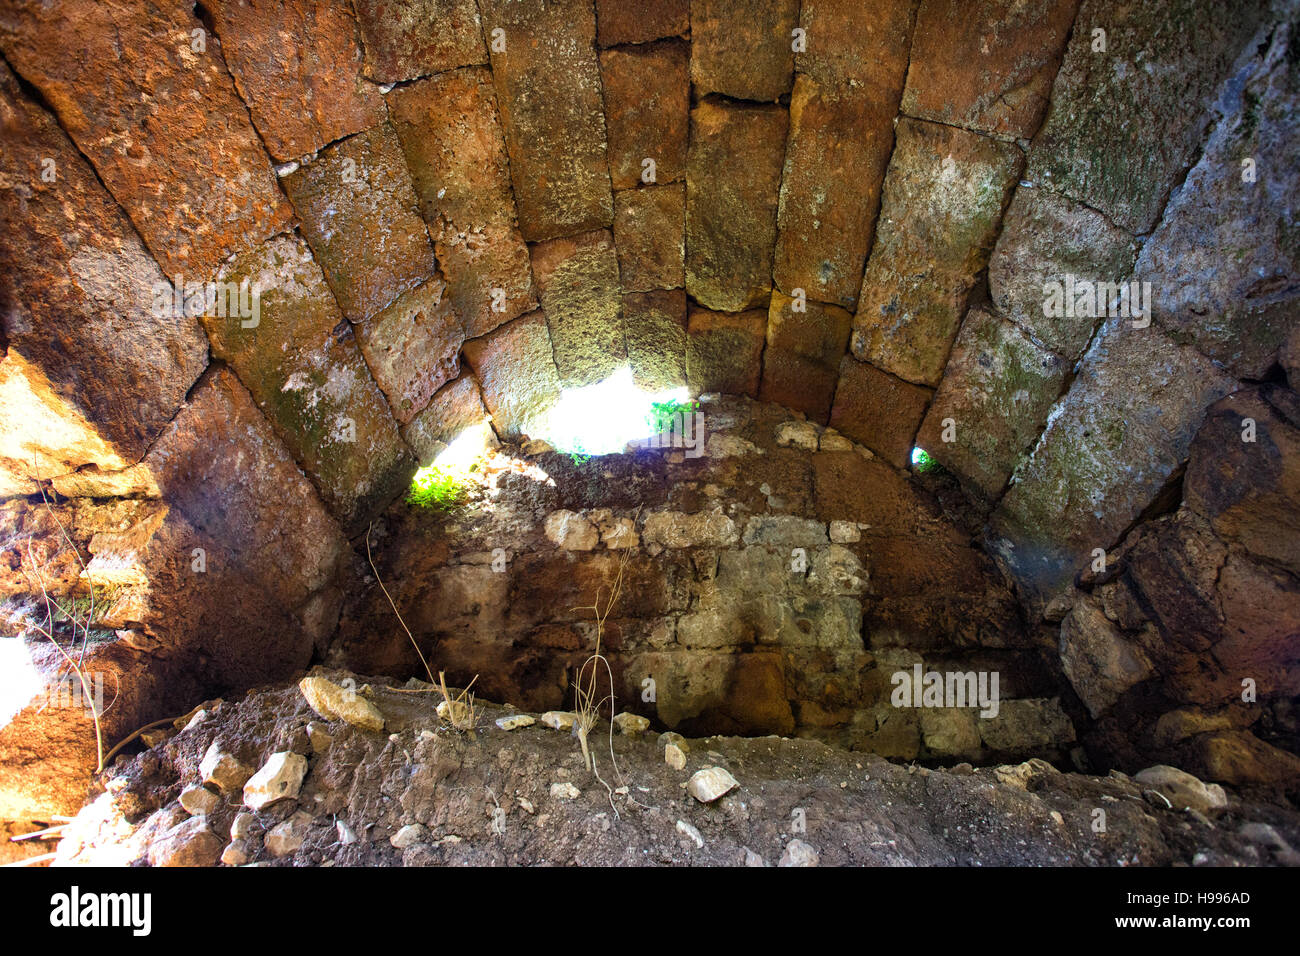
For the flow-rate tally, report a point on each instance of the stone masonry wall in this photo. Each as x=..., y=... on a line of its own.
x=776, y=579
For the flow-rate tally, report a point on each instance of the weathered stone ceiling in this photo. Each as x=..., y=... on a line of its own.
x=453, y=209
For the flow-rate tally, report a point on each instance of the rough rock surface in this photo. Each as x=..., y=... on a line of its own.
x=301, y=363
x=987, y=66
x=737, y=604
x=1160, y=69
x=359, y=214
x=196, y=182
x=516, y=370
x=1239, y=305
x=298, y=66
x=1115, y=439
x=647, y=107
x=943, y=201
x=455, y=149
x=743, y=48
x=997, y=390
x=650, y=233
x=732, y=188
x=654, y=326
x=413, y=38
x=93, y=369
x=548, y=91
x=577, y=281
x=846, y=94
x=802, y=357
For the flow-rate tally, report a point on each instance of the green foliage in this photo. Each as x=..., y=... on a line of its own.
x=923, y=464
x=435, y=488
x=663, y=414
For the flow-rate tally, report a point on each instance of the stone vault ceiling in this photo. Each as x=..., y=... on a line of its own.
x=452, y=209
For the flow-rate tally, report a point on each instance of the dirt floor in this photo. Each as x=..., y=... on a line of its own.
x=523, y=797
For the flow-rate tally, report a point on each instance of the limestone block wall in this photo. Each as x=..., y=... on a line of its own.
x=776, y=579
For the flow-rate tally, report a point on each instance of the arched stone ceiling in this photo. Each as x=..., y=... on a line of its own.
x=451, y=209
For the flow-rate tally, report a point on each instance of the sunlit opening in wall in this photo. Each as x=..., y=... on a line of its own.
x=466, y=449
x=601, y=419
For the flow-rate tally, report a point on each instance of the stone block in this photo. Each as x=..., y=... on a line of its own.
x=943, y=200
x=359, y=214
x=732, y=186
x=650, y=233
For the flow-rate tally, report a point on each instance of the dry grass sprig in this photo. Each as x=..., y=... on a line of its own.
x=460, y=710
x=80, y=623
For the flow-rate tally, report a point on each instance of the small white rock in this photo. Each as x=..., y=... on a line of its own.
x=571, y=531
x=241, y=826
x=199, y=801
x=515, y=721
x=289, y=836
x=672, y=737
x=630, y=724
x=409, y=835
x=236, y=854
x=334, y=702
x=799, y=434
x=845, y=532
x=454, y=711
x=346, y=835
x=798, y=853
x=564, y=791
x=710, y=783
x=319, y=736
x=674, y=757
x=223, y=770
x=559, y=719
x=689, y=831
x=279, y=779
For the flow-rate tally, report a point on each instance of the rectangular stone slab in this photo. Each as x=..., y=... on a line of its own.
x=650, y=232
x=93, y=370
x=996, y=392
x=732, y=186
x=413, y=347
x=454, y=147
x=515, y=368
x=1111, y=444
x=577, y=279
x=1224, y=263
x=359, y=213
x=1047, y=238
x=302, y=366
x=847, y=88
x=548, y=91
x=639, y=21
x=655, y=326
x=1163, y=63
x=878, y=410
x=405, y=39
x=743, y=48
x=802, y=359
x=723, y=351
x=943, y=200
x=647, y=109
x=987, y=65
x=298, y=66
